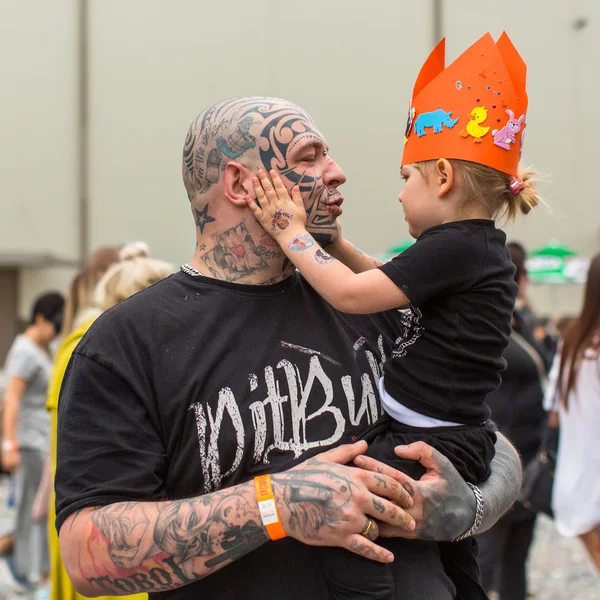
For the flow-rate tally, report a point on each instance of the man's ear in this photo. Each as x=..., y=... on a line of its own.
x=237, y=183
x=444, y=176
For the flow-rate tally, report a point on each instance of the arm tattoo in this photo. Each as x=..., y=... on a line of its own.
x=308, y=495
x=280, y=220
x=301, y=242
x=323, y=258
x=503, y=486
x=171, y=544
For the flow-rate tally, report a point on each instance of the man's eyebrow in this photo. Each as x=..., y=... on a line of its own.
x=308, y=145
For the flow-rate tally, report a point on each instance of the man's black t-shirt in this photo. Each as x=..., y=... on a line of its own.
x=459, y=279
x=195, y=385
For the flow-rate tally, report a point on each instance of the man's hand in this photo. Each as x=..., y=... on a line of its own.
x=444, y=505
x=274, y=209
x=323, y=502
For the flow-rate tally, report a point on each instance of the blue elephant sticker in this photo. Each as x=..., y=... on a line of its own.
x=436, y=119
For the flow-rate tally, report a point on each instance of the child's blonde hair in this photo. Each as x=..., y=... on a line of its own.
x=489, y=187
x=134, y=272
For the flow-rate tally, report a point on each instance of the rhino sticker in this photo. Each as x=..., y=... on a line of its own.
x=435, y=119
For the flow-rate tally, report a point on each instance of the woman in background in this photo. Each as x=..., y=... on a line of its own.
x=517, y=410
x=25, y=434
x=573, y=396
x=133, y=272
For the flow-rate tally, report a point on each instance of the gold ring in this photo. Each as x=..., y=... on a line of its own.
x=367, y=528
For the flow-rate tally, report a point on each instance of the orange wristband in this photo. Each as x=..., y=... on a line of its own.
x=267, y=507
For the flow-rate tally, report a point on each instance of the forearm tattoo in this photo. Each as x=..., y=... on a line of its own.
x=170, y=544
x=173, y=543
x=301, y=242
x=502, y=488
x=323, y=258
x=280, y=220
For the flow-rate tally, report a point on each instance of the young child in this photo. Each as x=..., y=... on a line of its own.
x=460, y=164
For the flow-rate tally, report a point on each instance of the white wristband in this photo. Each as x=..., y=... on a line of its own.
x=9, y=445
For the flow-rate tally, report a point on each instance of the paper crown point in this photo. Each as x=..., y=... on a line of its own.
x=473, y=110
x=432, y=67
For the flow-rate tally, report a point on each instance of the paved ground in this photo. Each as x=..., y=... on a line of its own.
x=559, y=567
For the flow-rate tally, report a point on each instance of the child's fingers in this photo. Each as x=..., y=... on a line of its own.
x=254, y=207
x=260, y=193
x=270, y=192
x=280, y=189
x=297, y=197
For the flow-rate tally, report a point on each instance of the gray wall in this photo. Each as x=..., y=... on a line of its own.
x=153, y=65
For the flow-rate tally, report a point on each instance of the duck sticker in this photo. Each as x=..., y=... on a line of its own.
x=435, y=119
x=474, y=128
x=506, y=136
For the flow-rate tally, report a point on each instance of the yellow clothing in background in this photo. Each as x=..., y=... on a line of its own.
x=61, y=586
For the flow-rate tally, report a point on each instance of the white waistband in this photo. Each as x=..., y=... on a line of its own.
x=405, y=415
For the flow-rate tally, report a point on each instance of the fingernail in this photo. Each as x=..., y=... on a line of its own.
x=390, y=557
x=411, y=526
x=359, y=460
x=255, y=180
x=400, y=447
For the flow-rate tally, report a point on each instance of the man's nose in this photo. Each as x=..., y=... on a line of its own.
x=333, y=175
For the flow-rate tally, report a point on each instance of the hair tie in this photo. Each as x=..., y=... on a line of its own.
x=516, y=186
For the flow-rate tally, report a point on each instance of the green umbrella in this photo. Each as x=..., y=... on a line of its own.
x=388, y=254
x=550, y=264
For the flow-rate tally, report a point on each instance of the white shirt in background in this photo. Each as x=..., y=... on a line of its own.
x=576, y=493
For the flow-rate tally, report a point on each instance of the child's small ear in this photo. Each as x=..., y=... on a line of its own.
x=237, y=184
x=444, y=176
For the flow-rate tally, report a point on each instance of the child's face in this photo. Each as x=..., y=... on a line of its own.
x=420, y=201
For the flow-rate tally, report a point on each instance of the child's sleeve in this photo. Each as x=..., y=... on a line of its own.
x=442, y=262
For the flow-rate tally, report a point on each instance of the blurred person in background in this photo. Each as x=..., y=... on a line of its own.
x=523, y=312
x=79, y=301
x=102, y=285
x=573, y=397
x=517, y=410
x=25, y=435
x=81, y=292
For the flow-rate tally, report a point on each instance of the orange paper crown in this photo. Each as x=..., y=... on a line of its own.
x=473, y=109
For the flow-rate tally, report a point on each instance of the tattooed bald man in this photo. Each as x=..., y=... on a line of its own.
x=179, y=397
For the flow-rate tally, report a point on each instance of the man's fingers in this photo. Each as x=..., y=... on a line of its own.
x=359, y=544
x=429, y=457
x=345, y=453
x=373, y=530
x=387, y=512
x=407, y=483
x=387, y=531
